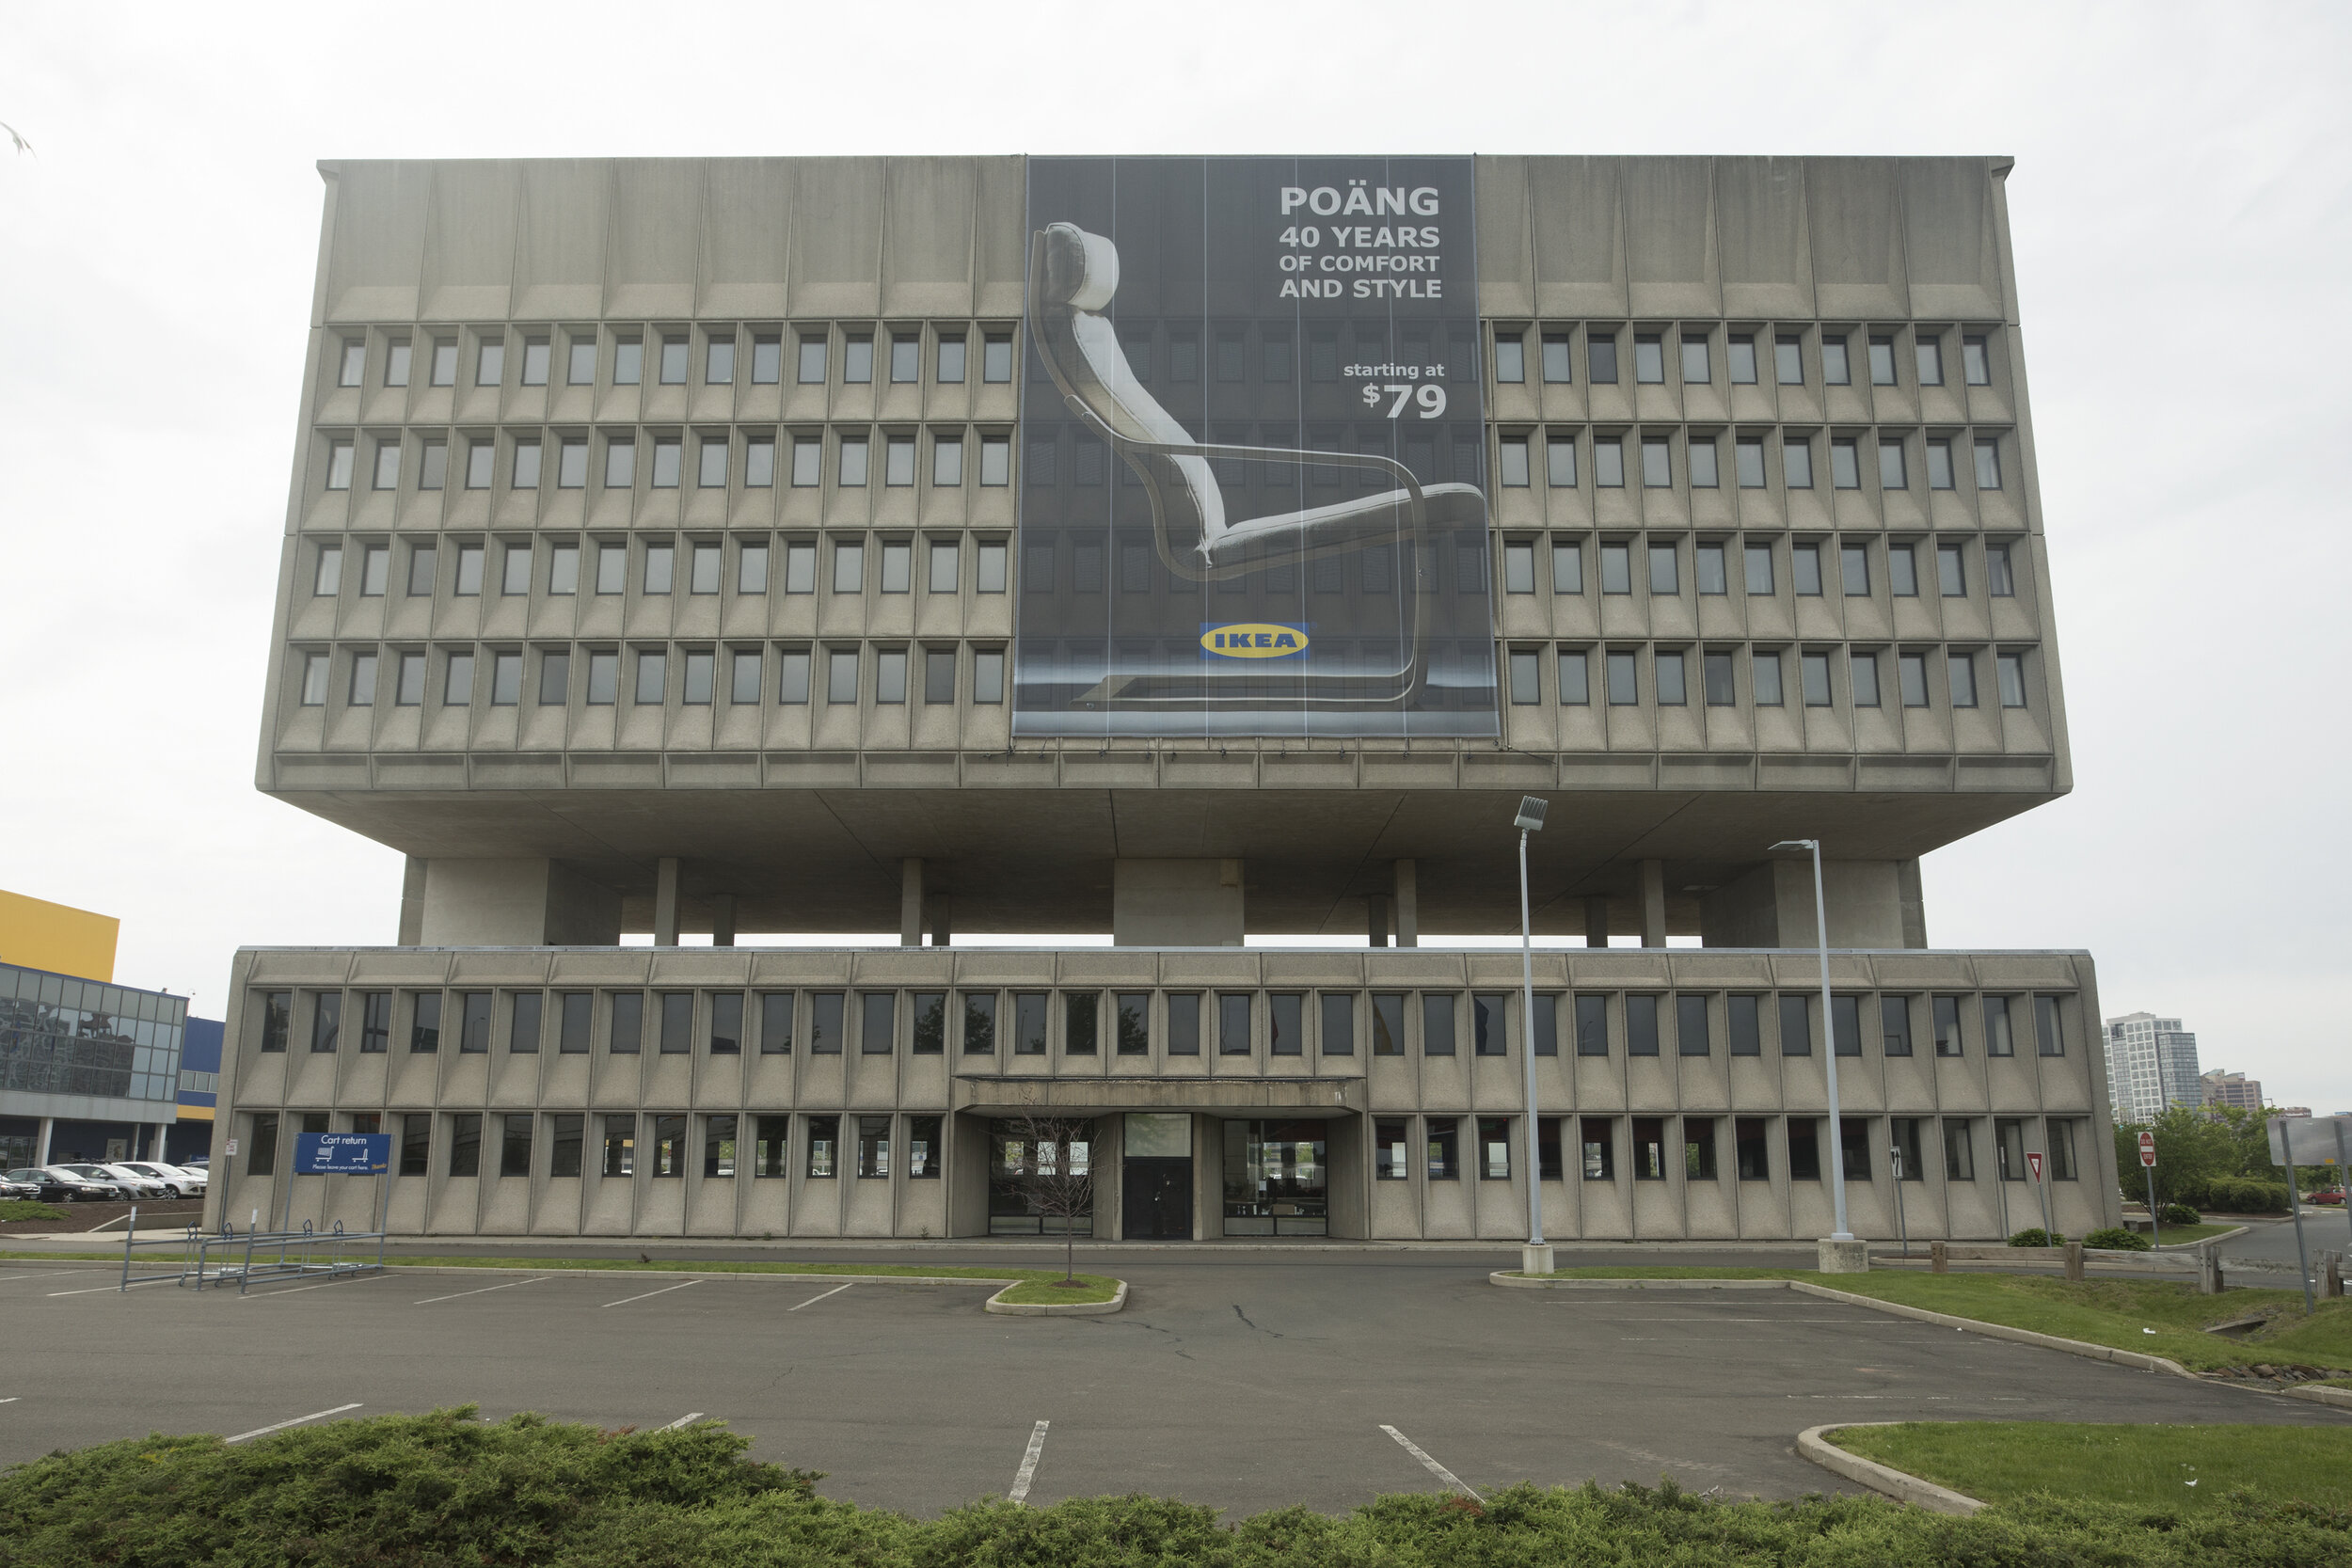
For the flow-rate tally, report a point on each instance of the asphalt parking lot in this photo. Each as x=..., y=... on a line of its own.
x=1244, y=1382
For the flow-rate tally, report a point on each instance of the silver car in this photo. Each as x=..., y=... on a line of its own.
x=125, y=1184
x=177, y=1182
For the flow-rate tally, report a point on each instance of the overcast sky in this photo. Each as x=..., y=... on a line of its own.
x=2180, y=211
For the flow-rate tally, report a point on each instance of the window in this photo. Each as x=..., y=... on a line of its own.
x=1720, y=693
x=653, y=677
x=490, y=364
x=362, y=680
x=1939, y=465
x=1764, y=676
x=1698, y=1148
x=353, y=370
x=698, y=676
x=1960, y=1161
x=898, y=460
x=1649, y=358
x=1912, y=675
x=396, y=362
x=1028, y=1024
x=1946, y=1013
x=775, y=1023
x=1748, y=464
x=1998, y=1041
x=1443, y=1135
x=457, y=685
x=339, y=466
x=1742, y=357
x=851, y=471
x=1710, y=562
x=1796, y=1024
x=1575, y=677
x=1390, y=1140
x=1668, y=673
x=857, y=359
x=1510, y=356
x=824, y=1138
x=2059, y=1135
x=1525, y=679
x=1665, y=576
x=1696, y=369
x=464, y=1144
x=988, y=675
x=627, y=1030
x=1609, y=463
x=1862, y=666
x=444, y=361
x=1902, y=572
x=1804, y=1149
x=1286, y=1025
x=1691, y=1037
x=564, y=570
x=710, y=471
x=1929, y=353
x=1556, y=364
x=743, y=677
x=1759, y=560
x=939, y=675
x=1988, y=465
x=1567, y=569
x=1656, y=465
x=1788, y=360
x=1494, y=1148
x=1745, y=1028
x=629, y=361
x=1999, y=581
x=433, y=469
x=1961, y=669
x=534, y=362
x=408, y=685
x=1600, y=358
x=1640, y=1026
x=2048, y=1041
x=1183, y=1024
x=1975, y=367
x=673, y=369
x=666, y=459
x=328, y=578
x=1599, y=1163
x=1560, y=462
x=620, y=464
x=1892, y=474
x=1512, y=470
x=326, y=1021
x=1836, y=371
x=996, y=359
x=1796, y=462
x=1592, y=1025
x=1805, y=562
x=580, y=365
x=1622, y=692
x=1882, y=362
x=2009, y=1148
x=2010, y=670
x=515, y=576
x=1853, y=564
x=890, y=675
x=1748, y=1143
x=1895, y=1024
x=1233, y=1024
x=1813, y=671
x=1703, y=472
x=1845, y=465
x=387, y=464
x=878, y=1022
x=1853, y=1147
x=1616, y=567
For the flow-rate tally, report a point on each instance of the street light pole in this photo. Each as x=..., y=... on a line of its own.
x=1829, y=1040
x=1535, y=1256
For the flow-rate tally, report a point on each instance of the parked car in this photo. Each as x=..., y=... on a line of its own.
x=201, y=1162
x=134, y=1185
x=61, y=1184
x=11, y=1187
x=2335, y=1196
x=177, y=1181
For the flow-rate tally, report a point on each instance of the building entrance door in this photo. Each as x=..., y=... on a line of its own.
x=1155, y=1178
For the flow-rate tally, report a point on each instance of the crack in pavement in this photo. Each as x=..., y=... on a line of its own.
x=1245, y=1318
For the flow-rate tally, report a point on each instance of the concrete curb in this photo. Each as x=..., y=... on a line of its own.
x=1521, y=1282
x=1899, y=1485
x=2340, y=1397
x=1057, y=1308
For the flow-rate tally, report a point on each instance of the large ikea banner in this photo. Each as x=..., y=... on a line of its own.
x=1252, y=475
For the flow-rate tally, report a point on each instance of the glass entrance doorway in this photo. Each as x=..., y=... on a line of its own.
x=1277, y=1183
x=1041, y=1178
x=1155, y=1178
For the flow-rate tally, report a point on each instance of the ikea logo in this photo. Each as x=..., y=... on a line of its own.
x=1253, y=640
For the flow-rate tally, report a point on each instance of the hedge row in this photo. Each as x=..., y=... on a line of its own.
x=412, y=1491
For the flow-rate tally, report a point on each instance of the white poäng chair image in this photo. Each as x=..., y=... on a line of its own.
x=1072, y=277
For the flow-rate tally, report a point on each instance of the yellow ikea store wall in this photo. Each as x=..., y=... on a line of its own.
x=57, y=937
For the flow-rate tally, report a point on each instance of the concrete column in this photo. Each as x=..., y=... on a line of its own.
x=412, y=903
x=1653, y=903
x=942, y=926
x=1913, y=902
x=723, y=920
x=666, y=901
x=911, y=902
x=1596, y=920
x=1377, y=920
x=1407, y=906
x=41, y=1154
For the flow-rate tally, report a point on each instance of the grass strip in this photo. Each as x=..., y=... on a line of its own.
x=447, y=1488
x=2154, y=1317
x=2174, y=1469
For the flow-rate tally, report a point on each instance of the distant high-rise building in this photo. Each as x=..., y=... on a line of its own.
x=2232, y=1089
x=2152, y=1064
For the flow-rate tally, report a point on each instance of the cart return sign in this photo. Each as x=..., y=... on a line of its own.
x=342, y=1154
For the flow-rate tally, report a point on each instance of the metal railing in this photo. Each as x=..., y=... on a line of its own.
x=217, y=1257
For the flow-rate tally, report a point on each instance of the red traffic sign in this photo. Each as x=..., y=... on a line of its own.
x=2148, y=1149
x=2033, y=1163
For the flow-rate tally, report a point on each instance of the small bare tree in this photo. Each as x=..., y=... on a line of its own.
x=1057, y=1171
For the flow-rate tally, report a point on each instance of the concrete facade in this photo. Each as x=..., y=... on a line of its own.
x=580, y=609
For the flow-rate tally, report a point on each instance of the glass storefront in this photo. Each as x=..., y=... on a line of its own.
x=1277, y=1179
x=1041, y=1180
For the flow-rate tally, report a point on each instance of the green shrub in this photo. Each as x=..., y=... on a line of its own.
x=2116, y=1239
x=2245, y=1195
x=2036, y=1236
x=23, y=1209
x=2180, y=1214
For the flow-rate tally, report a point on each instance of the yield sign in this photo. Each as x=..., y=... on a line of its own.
x=2148, y=1149
x=2033, y=1163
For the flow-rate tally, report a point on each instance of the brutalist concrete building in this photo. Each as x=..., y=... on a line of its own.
x=1185, y=550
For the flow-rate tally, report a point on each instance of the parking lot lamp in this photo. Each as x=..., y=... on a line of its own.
x=1535, y=1256
x=1829, y=1040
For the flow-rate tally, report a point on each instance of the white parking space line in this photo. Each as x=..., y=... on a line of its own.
x=1028, y=1472
x=52, y=1274
x=11, y=1399
x=86, y=1289
x=813, y=1299
x=280, y=1426
x=1430, y=1465
x=687, y=1419
x=650, y=1294
x=485, y=1291
x=265, y=1295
